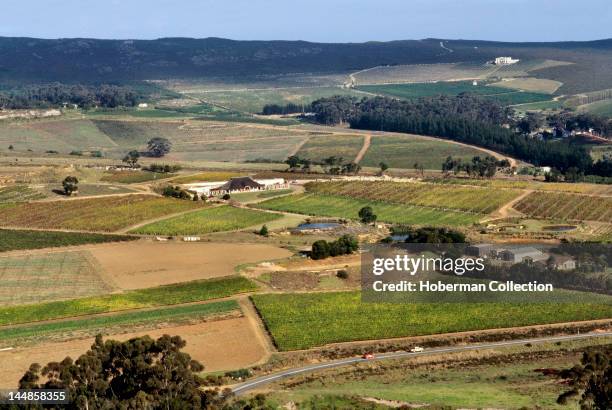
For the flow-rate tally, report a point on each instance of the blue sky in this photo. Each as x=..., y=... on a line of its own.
x=313, y=20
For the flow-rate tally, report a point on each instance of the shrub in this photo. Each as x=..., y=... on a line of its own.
x=264, y=231
x=342, y=274
x=366, y=214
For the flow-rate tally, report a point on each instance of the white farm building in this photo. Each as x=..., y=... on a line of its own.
x=235, y=185
x=505, y=60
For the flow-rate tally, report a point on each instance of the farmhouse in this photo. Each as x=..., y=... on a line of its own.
x=235, y=185
x=562, y=262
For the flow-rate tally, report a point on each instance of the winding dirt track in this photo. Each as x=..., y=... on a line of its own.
x=367, y=139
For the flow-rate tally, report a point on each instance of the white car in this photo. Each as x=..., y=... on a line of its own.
x=416, y=349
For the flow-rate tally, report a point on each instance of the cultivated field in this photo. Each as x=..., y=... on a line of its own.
x=300, y=321
x=133, y=177
x=412, y=91
x=207, y=176
x=53, y=276
x=253, y=100
x=421, y=73
x=323, y=146
x=566, y=207
x=403, y=151
x=470, y=199
x=216, y=219
x=537, y=85
x=151, y=263
x=11, y=239
x=96, y=214
x=581, y=188
x=603, y=108
x=218, y=344
x=19, y=193
x=345, y=207
x=182, y=293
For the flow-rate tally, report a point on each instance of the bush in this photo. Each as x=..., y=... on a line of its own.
x=344, y=245
x=320, y=250
x=342, y=274
x=366, y=214
x=264, y=231
x=226, y=197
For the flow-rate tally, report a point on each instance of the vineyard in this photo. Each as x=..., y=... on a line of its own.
x=11, y=239
x=27, y=279
x=301, y=321
x=19, y=193
x=566, y=207
x=578, y=187
x=319, y=147
x=186, y=292
x=130, y=320
x=95, y=214
x=134, y=177
x=466, y=199
x=345, y=207
x=217, y=219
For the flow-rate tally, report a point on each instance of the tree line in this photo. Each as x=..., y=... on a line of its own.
x=465, y=118
x=58, y=94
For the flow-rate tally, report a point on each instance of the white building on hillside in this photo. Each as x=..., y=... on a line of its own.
x=234, y=185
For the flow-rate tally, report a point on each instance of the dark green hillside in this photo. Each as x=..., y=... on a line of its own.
x=95, y=61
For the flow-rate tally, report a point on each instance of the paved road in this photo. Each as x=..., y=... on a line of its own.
x=261, y=381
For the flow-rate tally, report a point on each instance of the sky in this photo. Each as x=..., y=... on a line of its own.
x=311, y=20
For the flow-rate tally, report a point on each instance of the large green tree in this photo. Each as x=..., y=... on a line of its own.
x=591, y=381
x=140, y=373
x=158, y=146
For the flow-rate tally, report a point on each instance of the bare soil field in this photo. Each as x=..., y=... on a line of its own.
x=218, y=345
x=147, y=264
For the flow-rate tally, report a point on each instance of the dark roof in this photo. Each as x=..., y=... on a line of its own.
x=238, y=183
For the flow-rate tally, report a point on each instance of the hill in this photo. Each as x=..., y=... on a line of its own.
x=92, y=60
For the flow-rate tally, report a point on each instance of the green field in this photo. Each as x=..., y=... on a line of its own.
x=403, y=151
x=471, y=199
x=319, y=147
x=417, y=90
x=244, y=197
x=135, y=299
x=253, y=100
x=217, y=219
x=95, y=214
x=301, y=321
x=104, y=324
x=11, y=239
x=603, y=108
x=134, y=177
x=207, y=176
x=344, y=207
x=19, y=193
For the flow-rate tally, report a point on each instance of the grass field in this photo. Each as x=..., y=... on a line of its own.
x=19, y=193
x=135, y=299
x=102, y=324
x=253, y=100
x=300, y=321
x=11, y=239
x=133, y=177
x=470, y=199
x=319, y=147
x=560, y=206
x=96, y=214
x=41, y=277
x=344, y=207
x=603, y=108
x=217, y=219
x=243, y=197
x=207, y=176
x=417, y=90
x=403, y=151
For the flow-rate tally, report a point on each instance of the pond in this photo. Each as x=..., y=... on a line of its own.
x=559, y=228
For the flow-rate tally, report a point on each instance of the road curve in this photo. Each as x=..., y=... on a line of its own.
x=245, y=387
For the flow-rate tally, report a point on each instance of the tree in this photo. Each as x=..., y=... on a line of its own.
x=320, y=250
x=383, y=167
x=591, y=380
x=131, y=158
x=11, y=147
x=366, y=214
x=226, y=197
x=158, y=147
x=138, y=373
x=293, y=162
x=342, y=274
x=264, y=231
x=71, y=185
x=419, y=168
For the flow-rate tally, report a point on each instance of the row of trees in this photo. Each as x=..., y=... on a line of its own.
x=57, y=94
x=156, y=147
x=291, y=108
x=332, y=165
x=344, y=245
x=466, y=118
x=481, y=167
